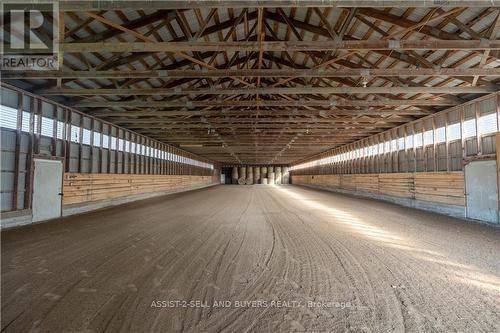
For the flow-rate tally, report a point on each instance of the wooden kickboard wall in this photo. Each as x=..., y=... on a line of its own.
x=85, y=187
x=440, y=187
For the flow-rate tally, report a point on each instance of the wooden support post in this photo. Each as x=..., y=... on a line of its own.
x=139, y=156
x=29, y=157
x=67, y=138
x=144, y=159
x=162, y=160
x=128, y=148
x=121, y=137
x=38, y=118
x=405, y=153
x=478, y=137
x=91, y=152
x=179, y=166
x=447, y=142
x=135, y=155
x=150, y=157
x=169, y=162
x=176, y=159
x=377, y=154
x=100, y=170
x=108, y=150
x=80, y=146
x=17, y=150
x=116, y=147
x=424, y=168
x=53, y=140
x=462, y=136
x=398, y=167
x=173, y=162
x=414, y=148
x=434, y=152
x=156, y=159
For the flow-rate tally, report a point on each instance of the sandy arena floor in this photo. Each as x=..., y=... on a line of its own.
x=252, y=259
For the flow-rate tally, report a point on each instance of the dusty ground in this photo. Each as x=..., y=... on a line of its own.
x=381, y=267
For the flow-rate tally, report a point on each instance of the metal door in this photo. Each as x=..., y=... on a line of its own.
x=482, y=190
x=47, y=189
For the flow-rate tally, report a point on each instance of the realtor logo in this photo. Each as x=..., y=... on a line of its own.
x=29, y=35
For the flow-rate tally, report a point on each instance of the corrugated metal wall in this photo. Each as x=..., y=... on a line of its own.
x=444, y=141
x=32, y=126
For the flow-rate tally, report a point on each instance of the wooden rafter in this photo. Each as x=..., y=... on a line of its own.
x=277, y=81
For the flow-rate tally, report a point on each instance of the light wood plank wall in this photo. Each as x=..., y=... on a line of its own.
x=440, y=187
x=85, y=187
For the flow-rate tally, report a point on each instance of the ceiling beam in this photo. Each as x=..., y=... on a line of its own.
x=215, y=28
x=166, y=74
x=167, y=114
x=270, y=91
x=278, y=103
x=290, y=46
x=406, y=23
x=132, y=25
x=85, y=5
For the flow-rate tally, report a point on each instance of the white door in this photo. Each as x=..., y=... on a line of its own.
x=481, y=189
x=47, y=189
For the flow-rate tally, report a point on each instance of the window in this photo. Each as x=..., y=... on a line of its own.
x=393, y=145
x=469, y=128
x=25, y=127
x=487, y=124
x=428, y=138
x=60, y=130
x=113, y=143
x=47, y=127
x=86, y=136
x=409, y=141
x=401, y=143
x=8, y=117
x=75, y=134
x=97, y=139
x=418, y=140
x=105, y=141
x=440, y=135
x=454, y=131
x=120, y=144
